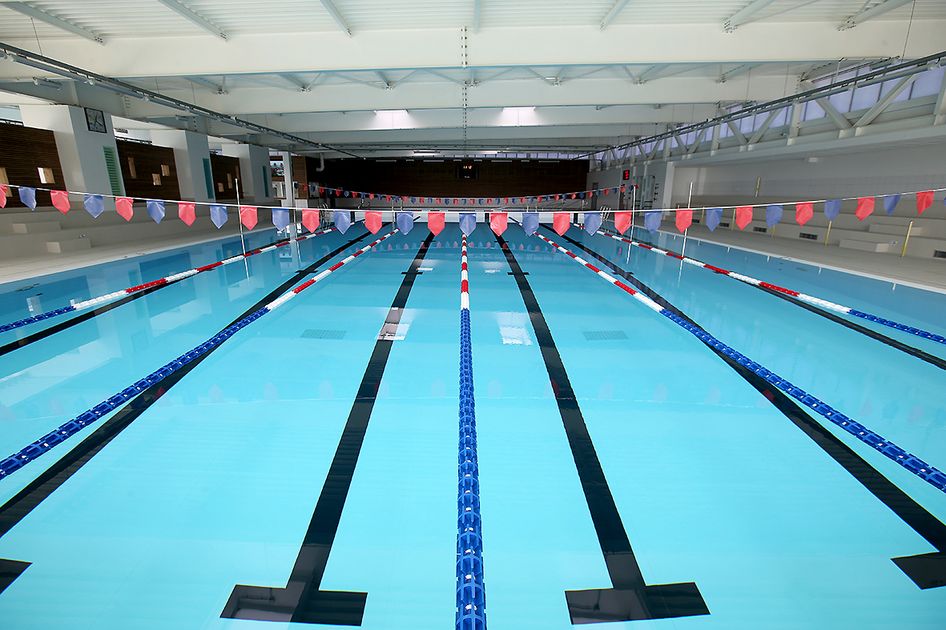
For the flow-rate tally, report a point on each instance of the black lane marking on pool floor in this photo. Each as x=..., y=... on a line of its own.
x=7, y=348
x=302, y=600
x=926, y=570
x=631, y=598
x=932, y=359
x=27, y=499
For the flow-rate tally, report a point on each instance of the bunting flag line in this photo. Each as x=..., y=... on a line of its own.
x=123, y=206
x=27, y=197
x=281, y=218
x=310, y=219
x=530, y=222
x=467, y=222
x=592, y=222
x=218, y=214
x=804, y=212
x=498, y=221
x=60, y=200
x=865, y=207
x=186, y=212
x=435, y=222
x=684, y=219
x=342, y=220
x=891, y=201
x=924, y=200
x=249, y=217
x=622, y=221
x=832, y=208
x=561, y=221
x=404, y=222
x=94, y=205
x=773, y=214
x=743, y=216
x=155, y=210
x=373, y=221
x=713, y=217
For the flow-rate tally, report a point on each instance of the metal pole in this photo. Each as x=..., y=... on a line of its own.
x=827, y=234
x=686, y=231
x=903, y=252
x=732, y=223
x=633, y=209
x=246, y=263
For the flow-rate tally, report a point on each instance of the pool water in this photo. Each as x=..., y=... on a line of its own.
x=214, y=480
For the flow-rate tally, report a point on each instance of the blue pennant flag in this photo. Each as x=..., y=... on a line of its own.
x=218, y=214
x=652, y=220
x=28, y=197
x=890, y=202
x=581, y=195
x=342, y=220
x=156, y=210
x=530, y=222
x=832, y=208
x=713, y=215
x=280, y=218
x=592, y=222
x=773, y=214
x=94, y=205
x=467, y=222
x=405, y=222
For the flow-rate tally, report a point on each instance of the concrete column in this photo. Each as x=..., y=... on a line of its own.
x=83, y=154
x=255, y=178
x=192, y=161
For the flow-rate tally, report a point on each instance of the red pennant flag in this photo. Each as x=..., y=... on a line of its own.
x=373, y=221
x=622, y=187
x=804, y=212
x=558, y=197
x=923, y=200
x=370, y=195
x=606, y=190
x=865, y=207
x=743, y=216
x=4, y=193
x=60, y=200
x=498, y=222
x=321, y=190
x=561, y=222
x=574, y=195
x=248, y=216
x=310, y=219
x=539, y=199
x=684, y=219
x=185, y=212
x=123, y=207
x=622, y=221
x=435, y=222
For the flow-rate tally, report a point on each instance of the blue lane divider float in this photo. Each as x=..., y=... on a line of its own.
x=914, y=464
x=471, y=590
x=44, y=444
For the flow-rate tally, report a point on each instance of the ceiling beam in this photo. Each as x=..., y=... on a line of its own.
x=737, y=71
x=613, y=12
x=663, y=71
x=31, y=11
x=207, y=83
x=477, y=14
x=745, y=14
x=870, y=13
x=185, y=11
x=336, y=15
x=296, y=82
x=885, y=102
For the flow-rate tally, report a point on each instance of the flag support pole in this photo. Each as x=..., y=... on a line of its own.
x=828, y=233
x=903, y=252
x=686, y=231
x=246, y=263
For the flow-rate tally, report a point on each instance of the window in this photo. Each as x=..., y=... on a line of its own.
x=166, y=170
x=132, y=172
x=229, y=181
x=3, y=176
x=156, y=179
x=760, y=229
x=46, y=175
x=808, y=235
x=219, y=186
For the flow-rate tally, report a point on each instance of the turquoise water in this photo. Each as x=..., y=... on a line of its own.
x=215, y=483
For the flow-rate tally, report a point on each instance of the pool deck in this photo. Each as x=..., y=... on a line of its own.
x=914, y=272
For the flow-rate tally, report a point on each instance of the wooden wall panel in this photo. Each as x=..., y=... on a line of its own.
x=226, y=172
x=24, y=150
x=149, y=160
x=427, y=178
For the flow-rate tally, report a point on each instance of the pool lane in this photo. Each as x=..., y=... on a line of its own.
x=712, y=483
x=51, y=381
x=214, y=484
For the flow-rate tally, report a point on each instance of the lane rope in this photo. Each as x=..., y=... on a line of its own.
x=914, y=464
x=804, y=297
x=44, y=444
x=98, y=301
x=471, y=590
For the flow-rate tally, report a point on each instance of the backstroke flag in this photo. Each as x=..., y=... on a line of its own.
x=405, y=222
x=530, y=222
x=218, y=214
x=281, y=218
x=713, y=216
x=652, y=221
x=342, y=220
x=561, y=221
x=155, y=210
x=467, y=222
x=435, y=222
x=622, y=221
x=592, y=222
x=94, y=205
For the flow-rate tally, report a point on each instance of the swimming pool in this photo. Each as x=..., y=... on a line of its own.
x=306, y=467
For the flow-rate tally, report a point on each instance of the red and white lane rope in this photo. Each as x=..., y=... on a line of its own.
x=44, y=444
x=464, y=277
x=97, y=301
x=914, y=464
x=804, y=297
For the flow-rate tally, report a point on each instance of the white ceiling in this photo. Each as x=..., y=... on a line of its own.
x=596, y=71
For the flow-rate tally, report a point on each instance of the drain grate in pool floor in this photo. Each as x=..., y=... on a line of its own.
x=316, y=333
x=604, y=335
